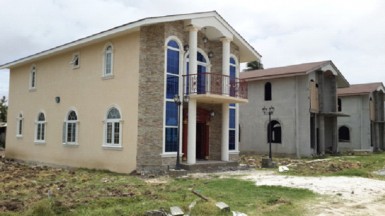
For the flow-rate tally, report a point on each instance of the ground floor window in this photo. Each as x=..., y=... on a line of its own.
x=113, y=128
x=70, y=130
x=40, y=128
x=274, y=132
x=343, y=134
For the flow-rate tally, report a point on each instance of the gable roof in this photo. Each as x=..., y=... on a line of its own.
x=295, y=70
x=361, y=89
x=247, y=52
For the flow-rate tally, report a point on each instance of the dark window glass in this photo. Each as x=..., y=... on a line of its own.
x=200, y=57
x=232, y=60
x=343, y=134
x=268, y=91
x=274, y=130
x=172, y=87
x=173, y=43
x=232, y=118
x=172, y=61
x=231, y=139
x=339, y=105
x=171, y=139
x=171, y=114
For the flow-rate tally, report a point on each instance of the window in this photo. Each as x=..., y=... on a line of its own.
x=268, y=91
x=172, y=86
x=40, y=128
x=343, y=134
x=19, y=129
x=32, y=78
x=113, y=128
x=232, y=107
x=108, y=61
x=339, y=105
x=70, y=128
x=75, y=61
x=275, y=132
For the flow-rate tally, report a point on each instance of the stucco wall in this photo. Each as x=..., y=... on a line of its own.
x=85, y=91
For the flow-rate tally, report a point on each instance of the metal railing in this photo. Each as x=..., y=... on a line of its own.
x=214, y=83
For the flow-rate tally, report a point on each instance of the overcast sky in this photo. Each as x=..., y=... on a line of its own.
x=351, y=33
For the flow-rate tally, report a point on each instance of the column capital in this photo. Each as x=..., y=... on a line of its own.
x=226, y=39
x=192, y=27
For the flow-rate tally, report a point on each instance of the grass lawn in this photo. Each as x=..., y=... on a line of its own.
x=50, y=191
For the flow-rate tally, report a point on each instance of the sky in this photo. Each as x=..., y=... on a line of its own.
x=351, y=33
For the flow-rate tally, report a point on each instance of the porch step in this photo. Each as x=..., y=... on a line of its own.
x=210, y=166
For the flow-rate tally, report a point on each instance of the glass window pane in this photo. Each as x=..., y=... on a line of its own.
x=173, y=43
x=173, y=61
x=171, y=139
x=232, y=118
x=116, y=132
x=200, y=57
x=232, y=60
x=113, y=114
x=41, y=117
x=172, y=87
x=231, y=139
x=109, y=133
x=42, y=131
x=233, y=72
x=171, y=114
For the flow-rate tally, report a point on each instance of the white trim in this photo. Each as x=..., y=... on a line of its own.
x=20, y=118
x=32, y=78
x=112, y=121
x=43, y=131
x=66, y=123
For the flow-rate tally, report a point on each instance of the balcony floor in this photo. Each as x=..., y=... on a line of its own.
x=217, y=99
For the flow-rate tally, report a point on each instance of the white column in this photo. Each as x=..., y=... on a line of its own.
x=225, y=132
x=226, y=64
x=192, y=122
x=192, y=104
x=193, y=48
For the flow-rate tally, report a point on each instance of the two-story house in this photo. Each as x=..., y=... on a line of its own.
x=107, y=101
x=304, y=121
x=364, y=128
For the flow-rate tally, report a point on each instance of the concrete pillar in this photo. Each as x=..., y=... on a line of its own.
x=192, y=123
x=192, y=104
x=335, y=135
x=225, y=132
x=226, y=64
x=322, y=135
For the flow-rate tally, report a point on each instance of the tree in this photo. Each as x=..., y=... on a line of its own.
x=254, y=65
x=3, y=109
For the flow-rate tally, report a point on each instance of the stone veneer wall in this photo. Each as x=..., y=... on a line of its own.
x=151, y=94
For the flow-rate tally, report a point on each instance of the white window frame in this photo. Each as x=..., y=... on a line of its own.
x=236, y=108
x=105, y=129
x=75, y=59
x=32, y=78
x=19, y=125
x=67, y=122
x=42, y=133
x=106, y=51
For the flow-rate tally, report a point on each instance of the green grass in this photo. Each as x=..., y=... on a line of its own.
x=92, y=192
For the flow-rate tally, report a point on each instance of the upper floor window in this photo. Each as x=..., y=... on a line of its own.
x=274, y=132
x=108, y=61
x=32, y=78
x=70, y=130
x=343, y=134
x=113, y=128
x=19, y=130
x=339, y=105
x=75, y=62
x=40, y=128
x=268, y=91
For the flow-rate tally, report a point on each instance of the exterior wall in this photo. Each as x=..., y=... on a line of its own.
x=287, y=95
x=89, y=94
x=357, y=107
x=150, y=156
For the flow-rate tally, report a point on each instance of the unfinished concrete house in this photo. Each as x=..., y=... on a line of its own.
x=304, y=98
x=364, y=128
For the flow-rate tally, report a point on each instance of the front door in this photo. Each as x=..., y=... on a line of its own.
x=202, y=134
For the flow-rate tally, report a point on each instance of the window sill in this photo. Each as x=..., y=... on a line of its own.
x=107, y=77
x=40, y=142
x=70, y=145
x=233, y=152
x=111, y=147
x=171, y=154
x=32, y=89
x=19, y=136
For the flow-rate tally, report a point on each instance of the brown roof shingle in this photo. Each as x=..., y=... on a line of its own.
x=360, y=89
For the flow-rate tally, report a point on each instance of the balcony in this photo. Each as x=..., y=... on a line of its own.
x=215, y=88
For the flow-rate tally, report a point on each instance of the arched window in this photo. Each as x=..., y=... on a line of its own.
x=40, y=128
x=172, y=84
x=113, y=129
x=232, y=107
x=19, y=130
x=71, y=128
x=197, y=82
x=339, y=105
x=268, y=91
x=108, y=61
x=275, y=132
x=343, y=134
x=32, y=78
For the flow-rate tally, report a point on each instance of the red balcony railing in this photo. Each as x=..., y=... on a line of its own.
x=214, y=83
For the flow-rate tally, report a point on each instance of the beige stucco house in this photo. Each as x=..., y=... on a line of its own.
x=304, y=98
x=106, y=101
x=363, y=129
